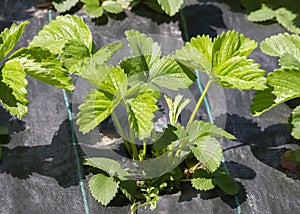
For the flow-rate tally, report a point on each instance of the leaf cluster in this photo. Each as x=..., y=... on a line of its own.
x=286, y=13
x=96, y=8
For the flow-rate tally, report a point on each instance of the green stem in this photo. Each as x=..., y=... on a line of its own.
x=144, y=149
x=185, y=180
x=199, y=101
x=122, y=133
x=135, y=155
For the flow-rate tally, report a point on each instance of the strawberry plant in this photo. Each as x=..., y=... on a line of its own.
x=96, y=8
x=283, y=83
x=136, y=83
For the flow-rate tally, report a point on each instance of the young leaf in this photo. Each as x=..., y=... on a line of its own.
x=199, y=128
x=112, y=6
x=224, y=60
x=112, y=167
x=103, y=188
x=176, y=107
x=226, y=183
x=59, y=31
x=64, y=5
x=171, y=7
x=296, y=123
x=93, y=8
x=41, y=64
x=9, y=38
x=202, y=180
x=141, y=112
x=13, y=88
x=208, y=151
x=263, y=14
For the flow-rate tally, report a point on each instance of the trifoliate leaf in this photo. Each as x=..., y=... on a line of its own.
x=13, y=86
x=3, y=130
x=263, y=14
x=296, y=123
x=103, y=188
x=171, y=7
x=64, y=5
x=141, y=113
x=226, y=183
x=41, y=64
x=9, y=37
x=199, y=128
x=176, y=107
x=224, y=60
x=202, y=180
x=208, y=151
x=112, y=6
x=112, y=167
x=58, y=32
x=93, y=8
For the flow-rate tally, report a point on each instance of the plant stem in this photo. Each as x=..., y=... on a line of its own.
x=135, y=155
x=185, y=180
x=199, y=102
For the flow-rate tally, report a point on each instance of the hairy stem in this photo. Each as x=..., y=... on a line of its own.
x=199, y=101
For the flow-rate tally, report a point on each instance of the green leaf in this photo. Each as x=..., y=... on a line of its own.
x=286, y=19
x=199, y=128
x=112, y=167
x=176, y=107
x=262, y=101
x=262, y=14
x=141, y=113
x=58, y=32
x=167, y=138
x=112, y=7
x=202, y=180
x=3, y=130
x=105, y=53
x=73, y=53
x=296, y=123
x=226, y=183
x=171, y=7
x=169, y=74
x=99, y=104
x=64, y=5
x=9, y=38
x=285, y=85
x=13, y=86
x=208, y=151
x=224, y=60
x=103, y=188
x=96, y=107
x=41, y=64
x=146, y=65
x=93, y=8
x=282, y=44
x=143, y=48
x=129, y=189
